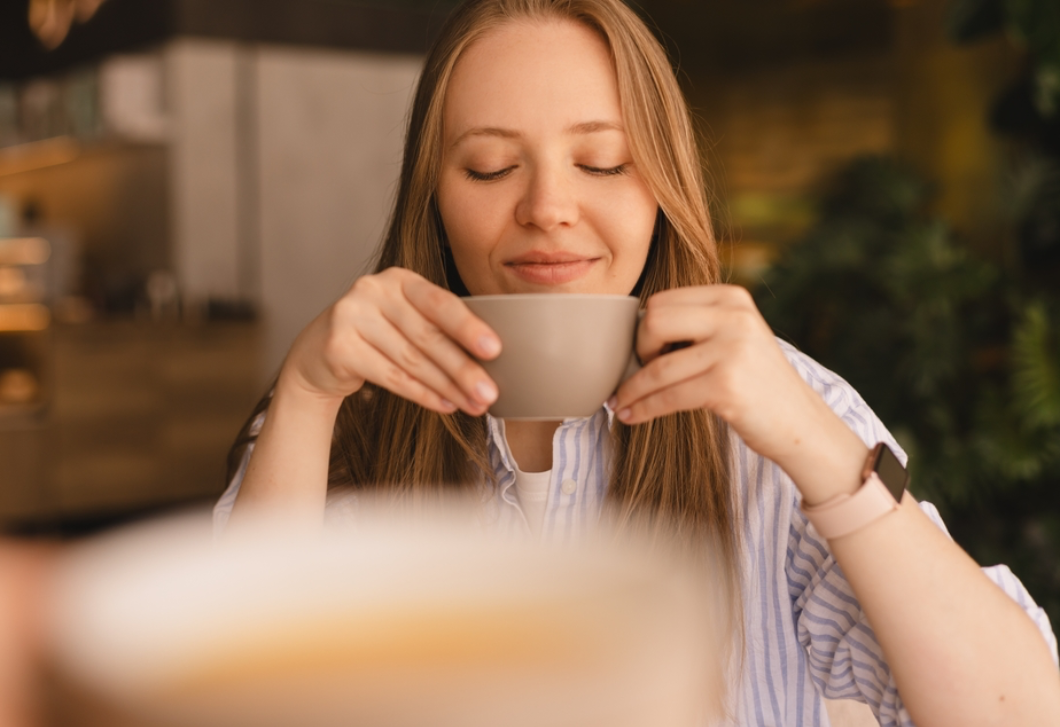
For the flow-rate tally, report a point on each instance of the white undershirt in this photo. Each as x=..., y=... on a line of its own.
x=531, y=489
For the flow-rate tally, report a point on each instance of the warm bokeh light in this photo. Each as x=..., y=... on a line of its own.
x=24, y=317
x=37, y=155
x=24, y=251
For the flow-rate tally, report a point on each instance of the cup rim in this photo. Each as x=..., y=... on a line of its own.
x=551, y=296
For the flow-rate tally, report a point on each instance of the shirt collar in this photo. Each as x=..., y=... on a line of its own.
x=498, y=442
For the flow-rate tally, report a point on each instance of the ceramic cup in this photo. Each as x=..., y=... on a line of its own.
x=562, y=356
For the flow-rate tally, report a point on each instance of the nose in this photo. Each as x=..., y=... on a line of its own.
x=549, y=201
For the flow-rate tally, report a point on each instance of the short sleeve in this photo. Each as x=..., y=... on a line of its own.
x=844, y=657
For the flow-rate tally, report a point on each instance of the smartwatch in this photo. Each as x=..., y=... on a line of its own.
x=883, y=485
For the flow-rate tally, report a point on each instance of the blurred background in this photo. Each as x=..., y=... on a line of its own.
x=184, y=184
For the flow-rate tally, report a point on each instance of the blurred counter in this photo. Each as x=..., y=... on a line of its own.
x=136, y=417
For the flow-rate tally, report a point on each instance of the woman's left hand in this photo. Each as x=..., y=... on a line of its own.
x=730, y=364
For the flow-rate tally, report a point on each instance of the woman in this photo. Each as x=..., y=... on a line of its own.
x=549, y=150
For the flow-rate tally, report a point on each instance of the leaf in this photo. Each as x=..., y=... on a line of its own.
x=1036, y=372
x=1035, y=182
x=1035, y=24
x=1047, y=89
x=1010, y=453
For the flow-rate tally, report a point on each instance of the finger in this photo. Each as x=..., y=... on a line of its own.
x=667, y=327
x=664, y=372
x=391, y=342
x=682, y=396
x=382, y=371
x=730, y=296
x=443, y=352
x=450, y=314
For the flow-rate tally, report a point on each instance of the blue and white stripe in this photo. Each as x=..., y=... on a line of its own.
x=807, y=638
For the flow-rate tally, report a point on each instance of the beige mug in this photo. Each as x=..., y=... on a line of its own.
x=562, y=355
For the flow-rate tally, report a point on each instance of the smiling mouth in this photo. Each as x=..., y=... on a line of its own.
x=550, y=269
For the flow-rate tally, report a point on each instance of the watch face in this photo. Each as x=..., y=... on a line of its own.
x=892, y=472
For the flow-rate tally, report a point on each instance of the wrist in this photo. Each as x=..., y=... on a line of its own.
x=292, y=390
x=829, y=463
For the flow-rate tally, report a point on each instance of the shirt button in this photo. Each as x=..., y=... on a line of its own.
x=568, y=487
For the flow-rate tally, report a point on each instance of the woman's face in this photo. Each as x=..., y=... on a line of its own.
x=538, y=191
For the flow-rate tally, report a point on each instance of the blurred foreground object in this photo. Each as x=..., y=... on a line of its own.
x=397, y=622
x=23, y=573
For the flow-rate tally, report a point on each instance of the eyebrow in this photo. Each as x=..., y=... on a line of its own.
x=585, y=127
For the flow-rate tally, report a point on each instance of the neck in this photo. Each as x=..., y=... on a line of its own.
x=531, y=443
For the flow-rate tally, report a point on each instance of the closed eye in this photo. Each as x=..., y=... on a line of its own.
x=488, y=176
x=605, y=171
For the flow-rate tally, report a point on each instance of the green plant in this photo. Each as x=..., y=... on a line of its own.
x=1033, y=25
x=958, y=357
x=1027, y=115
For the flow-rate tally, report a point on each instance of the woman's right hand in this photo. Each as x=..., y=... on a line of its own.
x=397, y=330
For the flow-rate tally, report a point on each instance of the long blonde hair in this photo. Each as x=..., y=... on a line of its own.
x=673, y=471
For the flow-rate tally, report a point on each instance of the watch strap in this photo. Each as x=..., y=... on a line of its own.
x=847, y=513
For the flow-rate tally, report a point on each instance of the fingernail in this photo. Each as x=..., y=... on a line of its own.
x=611, y=403
x=448, y=405
x=489, y=346
x=625, y=414
x=486, y=392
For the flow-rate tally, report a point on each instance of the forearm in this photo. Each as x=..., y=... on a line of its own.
x=287, y=475
x=961, y=651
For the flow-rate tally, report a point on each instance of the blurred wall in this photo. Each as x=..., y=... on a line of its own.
x=203, y=113
x=283, y=164
x=785, y=102
x=775, y=132
x=330, y=130
x=944, y=94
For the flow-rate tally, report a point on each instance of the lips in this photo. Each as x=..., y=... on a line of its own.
x=550, y=268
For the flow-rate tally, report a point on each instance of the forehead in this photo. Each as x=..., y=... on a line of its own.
x=533, y=76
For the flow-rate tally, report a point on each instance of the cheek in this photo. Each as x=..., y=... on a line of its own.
x=630, y=219
x=467, y=225
x=469, y=228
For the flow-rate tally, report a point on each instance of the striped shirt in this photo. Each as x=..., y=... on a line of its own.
x=806, y=635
